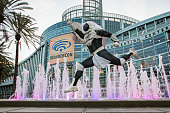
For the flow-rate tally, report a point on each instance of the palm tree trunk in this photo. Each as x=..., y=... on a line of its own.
x=2, y=18
x=17, y=37
x=0, y=77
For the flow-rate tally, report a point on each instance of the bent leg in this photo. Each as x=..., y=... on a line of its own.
x=125, y=57
x=106, y=55
x=113, y=59
x=80, y=68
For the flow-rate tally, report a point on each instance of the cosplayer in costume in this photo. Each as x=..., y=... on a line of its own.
x=94, y=37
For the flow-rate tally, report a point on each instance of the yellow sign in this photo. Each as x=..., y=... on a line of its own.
x=101, y=71
x=61, y=47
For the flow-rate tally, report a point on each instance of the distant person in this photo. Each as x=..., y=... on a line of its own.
x=94, y=36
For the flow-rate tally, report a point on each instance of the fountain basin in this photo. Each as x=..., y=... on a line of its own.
x=85, y=103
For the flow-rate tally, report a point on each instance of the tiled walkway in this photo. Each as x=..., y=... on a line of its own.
x=82, y=110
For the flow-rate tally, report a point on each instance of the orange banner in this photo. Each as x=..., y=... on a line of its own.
x=61, y=47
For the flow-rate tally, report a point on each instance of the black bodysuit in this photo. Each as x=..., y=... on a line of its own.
x=96, y=43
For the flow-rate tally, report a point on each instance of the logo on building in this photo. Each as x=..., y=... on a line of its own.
x=61, y=45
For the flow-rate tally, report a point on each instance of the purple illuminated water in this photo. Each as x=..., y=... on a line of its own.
x=155, y=85
x=86, y=93
x=96, y=90
x=164, y=77
x=114, y=82
x=57, y=81
x=21, y=86
x=65, y=81
x=146, y=85
x=122, y=83
x=119, y=85
x=18, y=91
x=25, y=83
x=109, y=84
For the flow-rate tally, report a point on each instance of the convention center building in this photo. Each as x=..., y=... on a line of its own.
x=150, y=38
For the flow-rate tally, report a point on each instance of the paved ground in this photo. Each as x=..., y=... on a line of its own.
x=83, y=110
x=85, y=106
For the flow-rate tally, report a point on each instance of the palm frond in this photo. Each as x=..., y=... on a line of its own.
x=11, y=2
x=7, y=9
x=22, y=8
x=3, y=54
x=25, y=26
x=19, y=4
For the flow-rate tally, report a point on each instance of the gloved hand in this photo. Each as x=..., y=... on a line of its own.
x=72, y=25
x=116, y=44
x=115, y=40
x=69, y=22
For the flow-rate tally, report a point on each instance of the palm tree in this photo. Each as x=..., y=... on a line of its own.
x=23, y=27
x=6, y=65
x=7, y=8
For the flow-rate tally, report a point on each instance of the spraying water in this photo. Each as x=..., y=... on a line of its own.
x=119, y=85
x=96, y=90
x=57, y=81
x=109, y=84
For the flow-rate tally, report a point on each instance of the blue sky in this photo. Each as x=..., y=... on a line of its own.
x=49, y=12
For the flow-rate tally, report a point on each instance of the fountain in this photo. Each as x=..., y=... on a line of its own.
x=122, y=83
x=109, y=84
x=25, y=83
x=21, y=86
x=164, y=77
x=119, y=85
x=115, y=76
x=96, y=90
x=155, y=85
x=86, y=92
x=57, y=81
x=18, y=92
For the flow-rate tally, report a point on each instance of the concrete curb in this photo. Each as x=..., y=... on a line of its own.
x=85, y=104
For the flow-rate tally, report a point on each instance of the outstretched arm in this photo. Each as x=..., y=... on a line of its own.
x=103, y=33
x=75, y=28
x=107, y=34
x=79, y=33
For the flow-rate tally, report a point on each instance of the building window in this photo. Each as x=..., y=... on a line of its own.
x=150, y=25
x=149, y=52
x=119, y=37
x=141, y=29
x=140, y=54
x=77, y=48
x=126, y=48
x=169, y=39
x=160, y=21
x=168, y=19
x=138, y=45
x=148, y=42
x=125, y=36
x=150, y=62
x=166, y=58
x=161, y=48
x=77, y=55
x=133, y=33
x=159, y=38
x=85, y=54
x=119, y=50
